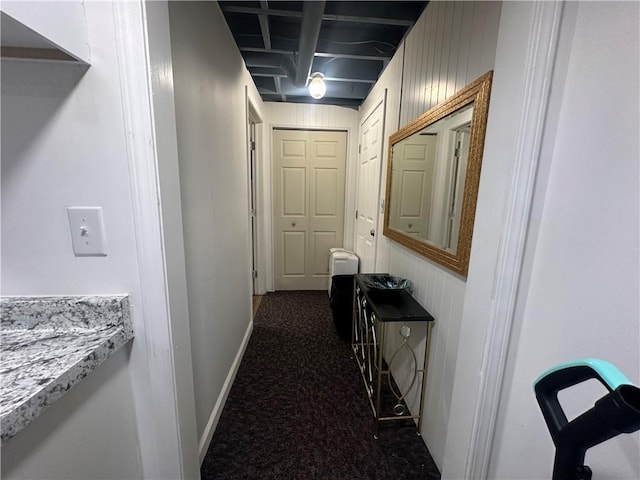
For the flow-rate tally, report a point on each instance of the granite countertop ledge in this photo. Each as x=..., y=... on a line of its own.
x=49, y=344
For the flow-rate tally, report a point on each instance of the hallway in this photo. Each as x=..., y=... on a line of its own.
x=298, y=410
x=142, y=111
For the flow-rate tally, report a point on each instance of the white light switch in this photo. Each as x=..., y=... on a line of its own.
x=87, y=231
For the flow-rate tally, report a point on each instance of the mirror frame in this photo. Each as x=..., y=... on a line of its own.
x=478, y=93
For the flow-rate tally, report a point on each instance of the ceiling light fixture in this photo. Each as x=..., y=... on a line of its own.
x=317, y=87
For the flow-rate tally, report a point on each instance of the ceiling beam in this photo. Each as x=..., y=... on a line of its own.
x=353, y=103
x=325, y=16
x=263, y=19
x=334, y=90
x=352, y=80
x=376, y=20
x=378, y=58
x=279, y=88
x=381, y=58
x=328, y=79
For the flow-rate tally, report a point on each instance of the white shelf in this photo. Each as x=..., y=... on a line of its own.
x=48, y=31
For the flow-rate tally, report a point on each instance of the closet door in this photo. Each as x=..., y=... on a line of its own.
x=308, y=186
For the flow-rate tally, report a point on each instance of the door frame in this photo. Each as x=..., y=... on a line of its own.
x=267, y=195
x=529, y=104
x=254, y=187
x=382, y=99
x=162, y=369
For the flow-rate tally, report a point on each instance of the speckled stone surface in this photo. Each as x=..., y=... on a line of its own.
x=49, y=344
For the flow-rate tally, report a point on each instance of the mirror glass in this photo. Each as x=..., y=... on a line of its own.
x=433, y=174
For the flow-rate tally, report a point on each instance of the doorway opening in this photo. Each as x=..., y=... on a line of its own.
x=254, y=138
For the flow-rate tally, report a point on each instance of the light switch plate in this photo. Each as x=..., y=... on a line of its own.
x=87, y=231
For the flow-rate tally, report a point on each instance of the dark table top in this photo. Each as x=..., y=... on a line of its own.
x=396, y=306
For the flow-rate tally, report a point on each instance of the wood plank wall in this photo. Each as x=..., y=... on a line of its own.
x=452, y=44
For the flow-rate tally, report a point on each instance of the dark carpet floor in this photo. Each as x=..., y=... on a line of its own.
x=298, y=408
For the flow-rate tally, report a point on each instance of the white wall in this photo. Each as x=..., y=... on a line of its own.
x=452, y=44
x=211, y=117
x=69, y=138
x=63, y=144
x=581, y=295
x=301, y=115
x=517, y=107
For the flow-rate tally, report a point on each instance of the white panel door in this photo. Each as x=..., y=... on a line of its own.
x=309, y=175
x=413, y=173
x=369, y=165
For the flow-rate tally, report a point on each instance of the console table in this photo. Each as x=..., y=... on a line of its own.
x=375, y=315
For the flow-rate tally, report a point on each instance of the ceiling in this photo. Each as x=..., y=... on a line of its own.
x=349, y=42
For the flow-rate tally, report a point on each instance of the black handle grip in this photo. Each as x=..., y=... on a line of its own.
x=547, y=389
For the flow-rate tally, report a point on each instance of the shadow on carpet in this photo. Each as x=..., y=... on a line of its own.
x=298, y=408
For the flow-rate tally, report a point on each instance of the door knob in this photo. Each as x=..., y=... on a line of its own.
x=293, y=224
x=372, y=232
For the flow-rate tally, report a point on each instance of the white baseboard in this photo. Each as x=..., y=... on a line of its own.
x=205, y=440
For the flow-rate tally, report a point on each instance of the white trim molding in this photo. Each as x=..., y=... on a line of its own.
x=254, y=117
x=165, y=448
x=207, y=435
x=538, y=63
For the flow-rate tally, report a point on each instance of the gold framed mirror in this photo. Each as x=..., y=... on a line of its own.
x=433, y=174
